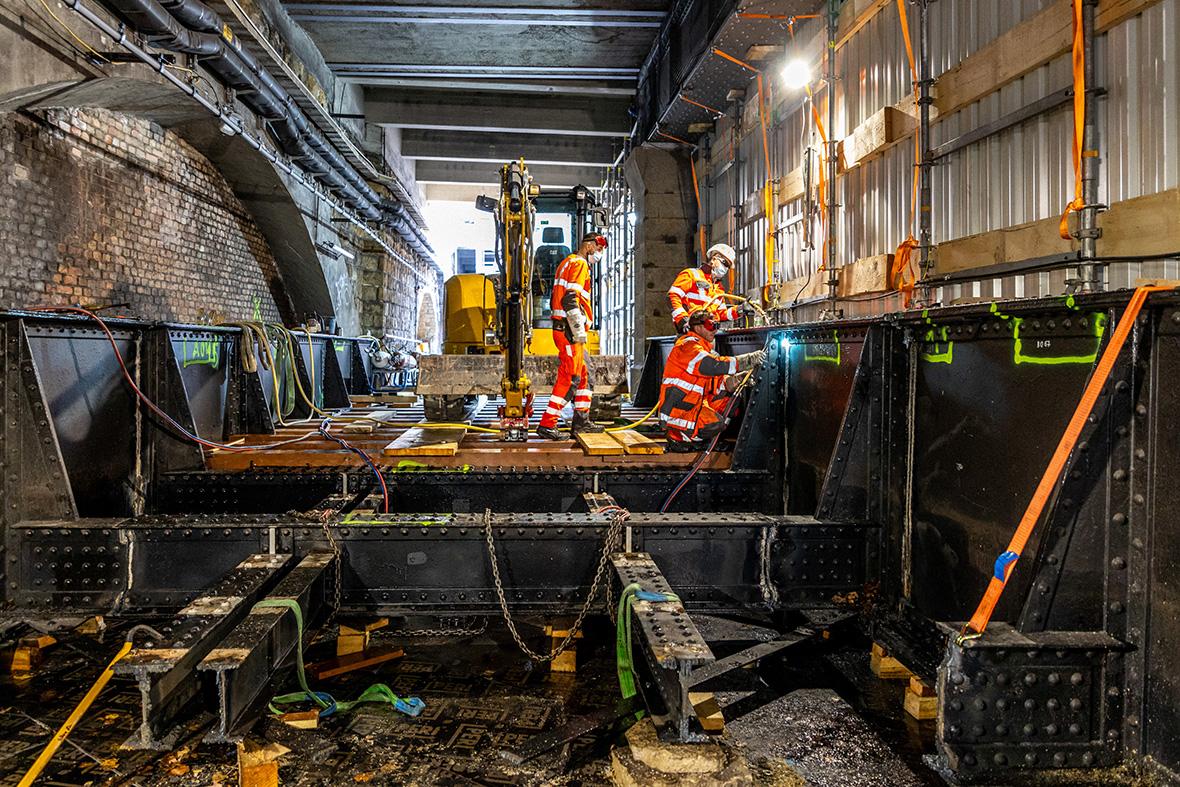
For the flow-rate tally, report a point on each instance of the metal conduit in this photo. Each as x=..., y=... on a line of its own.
x=191, y=27
x=232, y=122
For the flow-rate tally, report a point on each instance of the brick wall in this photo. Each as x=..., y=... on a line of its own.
x=397, y=298
x=100, y=208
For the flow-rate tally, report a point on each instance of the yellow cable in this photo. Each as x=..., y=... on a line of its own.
x=68, y=726
x=428, y=425
x=74, y=35
x=625, y=427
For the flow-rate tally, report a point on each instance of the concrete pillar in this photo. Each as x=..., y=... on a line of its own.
x=665, y=212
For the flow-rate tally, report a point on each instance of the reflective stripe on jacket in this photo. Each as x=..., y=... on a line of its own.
x=571, y=289
x=691, y=290
x=693, y=374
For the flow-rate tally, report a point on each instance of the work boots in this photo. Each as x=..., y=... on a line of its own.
x=550, y=433
x=583, y=424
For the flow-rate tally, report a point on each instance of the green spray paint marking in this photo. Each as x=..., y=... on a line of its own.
x=257, y=309
x=206, y=352
x=339, y=346
x=1019, y=356
x=943, y=348
x=807, y=356
x=355, y=519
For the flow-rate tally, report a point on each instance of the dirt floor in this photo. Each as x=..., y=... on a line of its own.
x=816, y=718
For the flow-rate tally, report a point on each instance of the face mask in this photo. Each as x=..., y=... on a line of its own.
x=596, y=256
x=719, y=268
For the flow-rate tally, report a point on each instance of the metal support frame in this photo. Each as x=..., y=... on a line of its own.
x=926, y=166
x=1091, y=275
x=1016, y=701
x=833, y=18
x=167, y=675
x=671, y=645
x=244, y=662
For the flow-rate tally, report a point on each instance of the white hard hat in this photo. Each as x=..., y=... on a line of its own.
x=725, y=250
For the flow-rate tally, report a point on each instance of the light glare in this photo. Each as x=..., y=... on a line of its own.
x=796, y=74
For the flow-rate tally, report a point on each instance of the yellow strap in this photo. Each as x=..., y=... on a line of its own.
x=70, y=723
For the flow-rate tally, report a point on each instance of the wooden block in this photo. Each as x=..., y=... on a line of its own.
x=879, y=132
x=302, y=720
x=760, y=52
x=866, y=275
x=921, y=700
x=601, y=444
x=258, y=765
x=568, y=660
x=885, y=666
x=707, y=710
x=426, y=442
x=635, y=443
x=700, y=128
x=322, y=670
x=354, y=635
x=92, y=626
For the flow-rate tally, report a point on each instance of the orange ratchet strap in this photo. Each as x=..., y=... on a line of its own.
x=1079, y=118
x=1006, y=561
x=903, y=272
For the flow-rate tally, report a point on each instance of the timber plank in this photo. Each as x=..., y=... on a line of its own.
x=426, y=442
x=601, y=444
x=635, y=443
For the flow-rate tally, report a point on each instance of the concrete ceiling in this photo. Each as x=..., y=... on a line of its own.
x=474, y=85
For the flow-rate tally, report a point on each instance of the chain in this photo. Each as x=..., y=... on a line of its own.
x=610, y=544
x=446, y=632
x=335, y=546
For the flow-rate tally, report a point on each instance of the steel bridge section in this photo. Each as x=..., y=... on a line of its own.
x=899, y=453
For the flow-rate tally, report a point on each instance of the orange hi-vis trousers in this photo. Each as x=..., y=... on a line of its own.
x=573, y=380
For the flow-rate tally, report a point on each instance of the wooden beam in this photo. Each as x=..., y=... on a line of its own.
x=1131, y=228
x=881, y=131
x=1023, y=49
x=635, y=443
x=426, y=442
x=599, y=444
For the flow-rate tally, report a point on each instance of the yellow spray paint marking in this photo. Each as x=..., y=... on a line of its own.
x=205, y=352
x=807, y=356
x=943, y=349
x=1019, y=356
x=355, y=519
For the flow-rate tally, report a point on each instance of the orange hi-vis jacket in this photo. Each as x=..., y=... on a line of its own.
x=692, y=290
x=571, y=289
x=693, y=382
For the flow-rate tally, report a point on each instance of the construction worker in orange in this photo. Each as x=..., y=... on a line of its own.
x=572, y=316
x=700, y=288
x=698, y=383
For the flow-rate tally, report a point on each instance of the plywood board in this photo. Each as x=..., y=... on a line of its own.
x=426, y=442
x=635, y=443
x=600, y=444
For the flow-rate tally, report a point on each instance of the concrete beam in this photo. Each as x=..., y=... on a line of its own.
x=483, y=147
x=556, y=115
x=561, y=87
x=429, y=172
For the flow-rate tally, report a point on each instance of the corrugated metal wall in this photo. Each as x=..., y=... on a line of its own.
x=1018, y=175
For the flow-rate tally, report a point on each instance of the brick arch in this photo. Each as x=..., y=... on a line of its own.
x=170, y=139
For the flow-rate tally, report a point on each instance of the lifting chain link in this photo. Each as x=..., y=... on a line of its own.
x=610, y=543
x=336, y=554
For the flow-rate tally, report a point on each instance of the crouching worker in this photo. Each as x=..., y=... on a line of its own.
x=698, y=383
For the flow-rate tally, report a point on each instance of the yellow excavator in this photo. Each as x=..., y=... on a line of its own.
x=498, y=337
